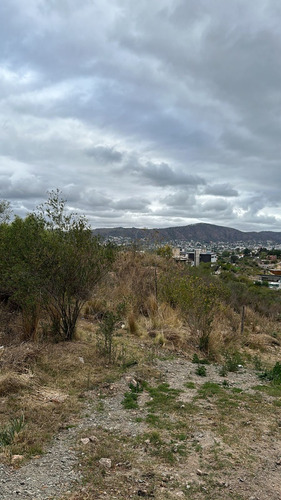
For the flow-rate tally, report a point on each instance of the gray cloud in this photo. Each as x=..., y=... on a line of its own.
x=162, y=174
x=162, y=114
x=221, y=190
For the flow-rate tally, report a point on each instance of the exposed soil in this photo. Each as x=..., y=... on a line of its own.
x=208, y=442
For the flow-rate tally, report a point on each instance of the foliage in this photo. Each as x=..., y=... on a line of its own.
x=198, y=298
x=107, y=330
x=130, y=401
x=8, y=433
x=51, y=261
x=165, y=251
x=21, y=268
x=198, y=361
x=201, y=371
x=5, y=211
x=233, y=361
x=274, y=375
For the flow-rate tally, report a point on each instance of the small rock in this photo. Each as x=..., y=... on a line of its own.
x=85, y=440
x=105, y=462
x=81, y=359
x=201, y=473
x=132, y=381
x=93, y=439
x=16, y=458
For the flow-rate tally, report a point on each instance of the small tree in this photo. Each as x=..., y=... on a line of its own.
x=21, y=250
x=73, y=262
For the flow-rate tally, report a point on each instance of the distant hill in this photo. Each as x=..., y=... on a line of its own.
x=203, y=233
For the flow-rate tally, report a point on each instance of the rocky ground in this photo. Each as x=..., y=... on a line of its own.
x=188, y=436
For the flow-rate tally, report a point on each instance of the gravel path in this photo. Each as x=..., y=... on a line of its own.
x=43, y=478
x=56, y=473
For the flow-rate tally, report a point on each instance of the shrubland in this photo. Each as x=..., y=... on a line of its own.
x=74, y=312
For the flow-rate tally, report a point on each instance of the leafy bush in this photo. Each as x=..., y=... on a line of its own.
x=274, y=375
x=201, y=371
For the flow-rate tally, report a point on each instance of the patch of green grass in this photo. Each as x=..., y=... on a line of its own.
x=190, y=385
x=236, y=390
x=182, y=436
x=277, y=403
x=163, y=398
x=130, y=401
x=271, y=390
x=209, y=389
x=154, y=438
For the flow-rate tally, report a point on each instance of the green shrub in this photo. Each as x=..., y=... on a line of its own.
x=201, y=370
x=198, y=361
x=273, y=375
x=8, y=433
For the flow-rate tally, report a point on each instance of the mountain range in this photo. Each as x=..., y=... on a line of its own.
x=203, y=233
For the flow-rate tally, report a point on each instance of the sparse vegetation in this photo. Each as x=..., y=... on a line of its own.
x=138, y=312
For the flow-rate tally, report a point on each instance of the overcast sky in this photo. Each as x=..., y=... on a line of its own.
x=148, y=113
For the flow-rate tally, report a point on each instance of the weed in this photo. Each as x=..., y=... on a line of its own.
x=223, y=371
x=257, y=363
x=154, y=438
x=130, y=400
x=273, y=375
x=8, y=433
x=189, y=385
x=233, y=362
x=163, y=397
x=100, y=406
x=271, y=390
x=225, y=383
x=198, y=361
x=209, y=389
x=201, y=371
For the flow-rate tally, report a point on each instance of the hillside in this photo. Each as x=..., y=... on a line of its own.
x=204, y=233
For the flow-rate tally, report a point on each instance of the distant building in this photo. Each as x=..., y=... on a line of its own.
x=194, y=258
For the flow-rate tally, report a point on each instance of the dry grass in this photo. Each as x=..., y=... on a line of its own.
x=47, y=382
x=12, y=383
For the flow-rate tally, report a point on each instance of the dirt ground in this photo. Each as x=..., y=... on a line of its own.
x=163, y=431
